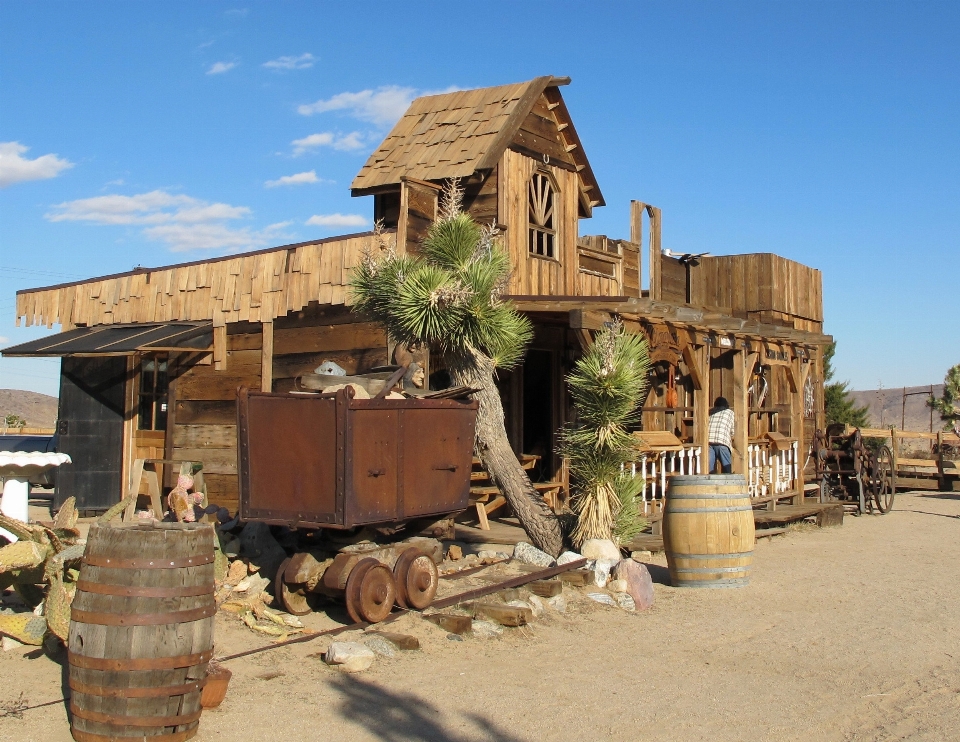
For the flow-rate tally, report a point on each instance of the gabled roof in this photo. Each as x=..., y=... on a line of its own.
x=456, y=134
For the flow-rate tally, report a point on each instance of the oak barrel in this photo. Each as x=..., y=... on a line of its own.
x=708, y=531
x=141, y=632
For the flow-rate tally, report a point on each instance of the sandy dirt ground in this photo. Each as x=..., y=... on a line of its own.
x=848, y=633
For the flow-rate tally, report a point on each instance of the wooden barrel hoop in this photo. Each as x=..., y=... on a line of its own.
x=141, y=633
x=708, y=531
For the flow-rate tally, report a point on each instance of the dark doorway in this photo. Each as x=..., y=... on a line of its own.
x=538, y=424
x=90, y=431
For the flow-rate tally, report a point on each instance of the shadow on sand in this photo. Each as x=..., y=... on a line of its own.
x=406, y=717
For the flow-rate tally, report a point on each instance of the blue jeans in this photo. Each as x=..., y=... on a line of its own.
x=720, y=451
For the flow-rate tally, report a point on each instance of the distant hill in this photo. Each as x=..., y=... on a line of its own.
x=39, y=410
x=917, y=416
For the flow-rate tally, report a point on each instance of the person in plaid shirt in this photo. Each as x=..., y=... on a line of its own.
x=721, y=435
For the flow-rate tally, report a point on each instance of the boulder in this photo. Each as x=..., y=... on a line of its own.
x=641, y=556
x=454, y=553
x=601, y=548
x=486, y=629
x=558, y=603
x=349, y=656
x=568, y=556
x=601, y=570
x=536, y=605
x=259, y=546
x=603, y=598
x=529, y=554
x=639, y=582
x=625, y=601
x=617, y=586
x=381, y=646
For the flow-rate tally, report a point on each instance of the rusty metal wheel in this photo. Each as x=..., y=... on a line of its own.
x=371, y=591
x=292, y=596
x=417, y=579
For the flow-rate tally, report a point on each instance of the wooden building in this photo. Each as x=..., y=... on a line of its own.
x=185, y=337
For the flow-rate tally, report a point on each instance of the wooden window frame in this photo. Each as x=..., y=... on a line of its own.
x=155, y=397
x=542, y=218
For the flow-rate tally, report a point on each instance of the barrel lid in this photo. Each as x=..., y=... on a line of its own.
x=686, y=479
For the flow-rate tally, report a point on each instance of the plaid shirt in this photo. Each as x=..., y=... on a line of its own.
x=721, y=427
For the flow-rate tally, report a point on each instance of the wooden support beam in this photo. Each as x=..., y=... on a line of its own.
x=586, y=319
x=694, y=367
x=266, y=358
x=220, y=347
x=701, y=404
x=655, y=256
x=585, y=339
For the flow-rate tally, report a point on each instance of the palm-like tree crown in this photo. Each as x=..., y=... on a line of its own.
x=448, y=295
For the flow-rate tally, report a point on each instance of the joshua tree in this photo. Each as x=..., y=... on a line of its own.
x=606, y=386
x=448, y=296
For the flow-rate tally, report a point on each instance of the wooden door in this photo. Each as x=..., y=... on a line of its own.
x=90, y=431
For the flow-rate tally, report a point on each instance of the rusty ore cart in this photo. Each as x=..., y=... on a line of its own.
x=849, y=471
x=331, y=462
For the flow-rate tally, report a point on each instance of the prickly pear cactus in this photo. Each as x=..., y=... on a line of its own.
x=39, y=567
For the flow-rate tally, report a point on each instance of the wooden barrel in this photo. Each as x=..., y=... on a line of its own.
x=708, y=531
x=141, y=632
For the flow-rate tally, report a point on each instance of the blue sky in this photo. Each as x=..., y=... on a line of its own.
x=828, y=132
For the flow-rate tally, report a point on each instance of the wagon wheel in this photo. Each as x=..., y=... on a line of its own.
x=886, y=482
x=371, y=591
x=417, y=579
x=292, y=595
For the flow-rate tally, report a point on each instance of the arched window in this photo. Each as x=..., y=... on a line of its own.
x=543, y=220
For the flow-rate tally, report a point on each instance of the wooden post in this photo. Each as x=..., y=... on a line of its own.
x=655, y=257
x=697, y=360
x=740, y=412
x=220, y=347
x=266, y=358
x=636, y=236
x=942, y=480
x=895, y=450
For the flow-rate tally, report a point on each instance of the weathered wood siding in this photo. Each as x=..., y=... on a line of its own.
x=533, y=274
x=253, y=287
x=205, y=409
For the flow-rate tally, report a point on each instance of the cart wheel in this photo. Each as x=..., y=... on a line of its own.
x=292, y=597
x=371, y=591
x=886, y=485
x=417, y=579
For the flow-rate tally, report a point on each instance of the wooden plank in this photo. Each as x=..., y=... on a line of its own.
x=215, y=460
x=205, y=436
x=329, y=338
x=205, y=412
x=216, y=387
x=266, y=358
x=451, y=622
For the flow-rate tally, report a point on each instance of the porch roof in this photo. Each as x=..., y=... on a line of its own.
x=116, y=340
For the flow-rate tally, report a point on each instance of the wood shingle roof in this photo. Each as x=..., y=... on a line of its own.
x=454, y=135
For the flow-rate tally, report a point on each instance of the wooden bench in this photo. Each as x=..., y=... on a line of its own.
x=488, y=498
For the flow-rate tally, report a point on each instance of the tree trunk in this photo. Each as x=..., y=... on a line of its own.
x=542, y=526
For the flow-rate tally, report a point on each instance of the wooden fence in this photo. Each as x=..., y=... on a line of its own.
x=940, y=471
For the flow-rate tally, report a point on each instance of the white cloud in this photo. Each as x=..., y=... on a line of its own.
x=337, y=220
x=343, y=142
x=16, y=169
x=220, y=67
x=302, y=62
x=182, y=222
x=3, y=340
x=297, y=179
x=382, y=106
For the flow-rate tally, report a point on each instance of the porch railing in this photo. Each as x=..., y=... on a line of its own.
x=772, y=471
x=656, y=467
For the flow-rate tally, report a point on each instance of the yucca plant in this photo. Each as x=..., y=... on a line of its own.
x=449, y=297
x=606, y=385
